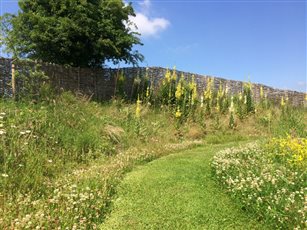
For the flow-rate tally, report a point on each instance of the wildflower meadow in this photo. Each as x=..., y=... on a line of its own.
x=63, y=156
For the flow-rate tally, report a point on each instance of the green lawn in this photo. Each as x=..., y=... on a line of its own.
x=177, y=192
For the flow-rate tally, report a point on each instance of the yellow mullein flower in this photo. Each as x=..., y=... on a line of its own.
x=240, y=96
x=178, y=113
x=147, y=92
x=282, y=102
x=231, y=108
x=201, y=101
x=138, y=108
x=220, y=91
x=168, y=76
x=178, y=92
x=226, y=89
x=261, y=92
x=218, y=107
x=194, y=93
x=182, y=77
x=250, y=85
x=208, y=92
x=174, y=74
x=192, y=83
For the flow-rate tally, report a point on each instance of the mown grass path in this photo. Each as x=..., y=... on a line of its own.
x=177, y=192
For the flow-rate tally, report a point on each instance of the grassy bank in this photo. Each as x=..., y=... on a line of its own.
x=62, y=158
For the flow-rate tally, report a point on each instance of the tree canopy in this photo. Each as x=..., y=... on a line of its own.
x=83, y=33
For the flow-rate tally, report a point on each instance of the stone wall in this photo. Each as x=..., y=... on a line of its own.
x=5, y=77
x=101, y=83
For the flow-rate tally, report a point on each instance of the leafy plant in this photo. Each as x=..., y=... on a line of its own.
x=33, y=84
x=76, y=33
x=291, y=122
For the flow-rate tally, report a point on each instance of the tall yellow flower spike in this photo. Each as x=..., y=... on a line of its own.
x=282, y=102
x=250, y=85
x=194, y=96
x=240, y=96
x=218, y=107
x=138, y=108
x=178, y=92
x=201, y=101
x=208, y=92
x=231, y=107
x=174, y=74
x=261, y=92
x=168, y=76
x=147, y=92
x=178, y=113
x=220, y=91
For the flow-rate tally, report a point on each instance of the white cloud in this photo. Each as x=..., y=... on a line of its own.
x=145, y=5
x=146, y=25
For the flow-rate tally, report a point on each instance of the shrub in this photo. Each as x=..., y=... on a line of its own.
x=33, y=84
x=290, y=151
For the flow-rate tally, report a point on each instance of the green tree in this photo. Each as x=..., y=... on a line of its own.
x=83, y=33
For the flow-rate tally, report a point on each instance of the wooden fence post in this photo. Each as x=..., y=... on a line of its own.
x=13, y=80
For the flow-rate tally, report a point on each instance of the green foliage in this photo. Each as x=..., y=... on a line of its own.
x=139, y=88
x=72, y=32
x=240, y=110
x=33, y=85
x=248, y=100
x=120, y=84
x=266, y=120
x=179, y=95
x=167, y=89
x=231, y=121
x=292, y=122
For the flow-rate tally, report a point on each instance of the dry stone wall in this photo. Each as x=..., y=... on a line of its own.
x=101, y=83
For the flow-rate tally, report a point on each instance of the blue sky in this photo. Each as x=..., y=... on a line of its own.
x=265, y=40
